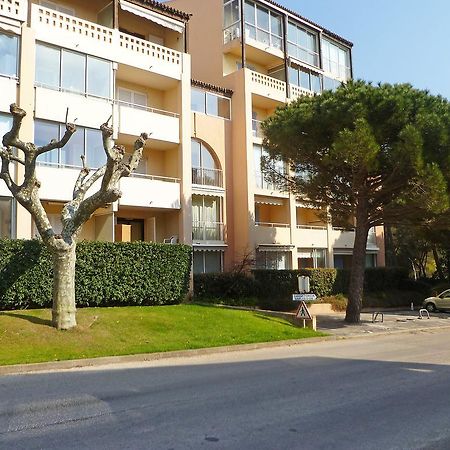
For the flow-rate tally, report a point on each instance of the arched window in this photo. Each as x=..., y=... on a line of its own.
x=205, y=170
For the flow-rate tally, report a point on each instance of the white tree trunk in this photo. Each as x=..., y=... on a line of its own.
x=64, y=309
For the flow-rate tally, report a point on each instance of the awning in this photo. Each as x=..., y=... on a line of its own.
x=275, y=248
x=10, y=25
x=153, y=16
x=210, y=248
x=269, y=201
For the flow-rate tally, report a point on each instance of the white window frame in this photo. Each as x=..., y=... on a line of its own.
x=132, y=92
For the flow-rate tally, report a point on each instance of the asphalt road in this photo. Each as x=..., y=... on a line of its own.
x=369, y=393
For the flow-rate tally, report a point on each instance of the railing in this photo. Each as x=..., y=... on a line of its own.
x=89, y=37
x=71, y=91
x=272, y=224
x=155, y=177
x=207, y=231
x=232, y=32
x=297, y=91
x=207, y=177
x=15, y=9
x=311, y=227
x=270, y=82
x=147, y=108
x=147, y=48
x=256, y=128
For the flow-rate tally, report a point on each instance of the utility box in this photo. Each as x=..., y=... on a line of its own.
x=303, y=284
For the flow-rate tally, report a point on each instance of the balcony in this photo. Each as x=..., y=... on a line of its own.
x=150, y=191
x=272, y=233
x=14, y=9
x=342, y=238
x=311, y=236
x=208, y=231
x=268, y=87
x=134, y=119
x=88, y=37
x=207, y=177
x=296, y=92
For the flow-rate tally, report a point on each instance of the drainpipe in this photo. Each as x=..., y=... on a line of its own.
x=286, y=56
x=243, y=51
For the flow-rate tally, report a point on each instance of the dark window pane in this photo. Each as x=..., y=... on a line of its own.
x=198, y=100
x=44, y=132
x=212, y=105
x=5, y=217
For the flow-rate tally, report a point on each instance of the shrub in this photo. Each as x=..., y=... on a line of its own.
x=338, y=302
x=224, y=286
x=107, y=274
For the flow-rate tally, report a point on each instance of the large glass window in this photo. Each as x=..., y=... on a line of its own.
x=5, y=125
x=208, y=261
x=272, y=260
x=9, y=49
x=206, y=218
x=303, y=44
x=231, y=20
x=311, y=258
x=204, y=168
x=259, y=152
x=305, y=78
x=72, y=71
x=210, y=103
x=86, y=141
x=336, y=60
x=263, y=25
x=6, y=205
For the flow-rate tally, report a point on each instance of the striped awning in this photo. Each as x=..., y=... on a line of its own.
x=275, y=248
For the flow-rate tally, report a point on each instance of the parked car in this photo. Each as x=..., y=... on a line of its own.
x=439, y=303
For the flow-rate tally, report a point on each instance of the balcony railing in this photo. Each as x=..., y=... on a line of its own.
x=269, y=82
x=207, y=231
x=14, y=9
x=296, y=91
x=207, y=177
x=84, y=36
x=272, y=224
x=311, y=227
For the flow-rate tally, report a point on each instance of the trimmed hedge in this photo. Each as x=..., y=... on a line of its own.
x=274, y=288
x=107, y=274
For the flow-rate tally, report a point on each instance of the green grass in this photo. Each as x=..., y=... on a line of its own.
x=27, y=336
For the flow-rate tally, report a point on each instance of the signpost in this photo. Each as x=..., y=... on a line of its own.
x=304, y=296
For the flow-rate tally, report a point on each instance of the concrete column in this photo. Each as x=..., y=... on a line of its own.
x=26, y=101
x=293, y=225
x=330, y=256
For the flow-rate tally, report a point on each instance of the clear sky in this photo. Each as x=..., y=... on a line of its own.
x=394, y=40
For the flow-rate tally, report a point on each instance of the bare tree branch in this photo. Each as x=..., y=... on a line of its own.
x=11, y=139
x=53, y=144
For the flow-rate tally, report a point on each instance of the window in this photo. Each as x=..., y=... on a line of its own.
x=263, y=25
x=258, y=153
x=208, y=261
x=305, y=78
x=57, y=7
x=134, y=98
x=5, y=125
x=231, y=19
x=204, y=168
x=336, y=60
x=72, y=71
x=85, y=141
x=330, y=84
x=210, y=103
x=6, y=206
x=303, y=44
x=206, y=218
x=272, y=260
x=9, y=49
x=311, y=258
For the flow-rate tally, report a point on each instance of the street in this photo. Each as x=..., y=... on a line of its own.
x=384, y=392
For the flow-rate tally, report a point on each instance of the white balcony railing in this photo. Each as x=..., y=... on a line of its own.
x=272, y=224
x=268, y=86
x=311, y=227
x=14, y=9
x=88, y=37
x=207, y=231
x=207, y=177
x=297, y=91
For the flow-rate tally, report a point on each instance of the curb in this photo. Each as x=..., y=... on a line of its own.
x=34, y=368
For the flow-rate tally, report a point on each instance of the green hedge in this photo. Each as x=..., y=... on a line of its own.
x=274, y=288
x=107, y=274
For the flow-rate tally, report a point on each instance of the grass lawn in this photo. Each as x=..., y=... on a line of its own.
x=27, y=336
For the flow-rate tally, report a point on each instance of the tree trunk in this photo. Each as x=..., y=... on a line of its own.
x=356, y=288
x=438, y=263
x=64, y=309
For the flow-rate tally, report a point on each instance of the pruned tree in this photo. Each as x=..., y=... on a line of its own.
x=370, y=156
x=75, y=212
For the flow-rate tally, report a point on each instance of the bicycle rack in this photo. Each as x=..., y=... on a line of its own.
x=422, y=312
x=375, y=316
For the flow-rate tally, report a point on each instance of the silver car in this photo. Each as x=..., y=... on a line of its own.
x=439, y=303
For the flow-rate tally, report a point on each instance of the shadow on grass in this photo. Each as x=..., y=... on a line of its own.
x=29, y=318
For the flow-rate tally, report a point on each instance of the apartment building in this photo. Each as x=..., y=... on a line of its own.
x=266, y=56
x=97, y=59
x=200, y=180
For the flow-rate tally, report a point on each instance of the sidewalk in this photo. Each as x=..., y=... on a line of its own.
x=394, y=322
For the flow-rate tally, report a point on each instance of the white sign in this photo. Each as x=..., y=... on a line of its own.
x=303, y=284
x=304, y=297
x=303, y=312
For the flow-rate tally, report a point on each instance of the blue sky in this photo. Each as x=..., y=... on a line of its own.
x=394, y=40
